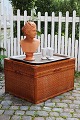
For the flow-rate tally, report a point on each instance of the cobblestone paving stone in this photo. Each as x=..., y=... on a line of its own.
x=63, y=107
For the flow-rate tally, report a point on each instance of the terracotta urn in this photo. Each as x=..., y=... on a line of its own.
x=30, y=44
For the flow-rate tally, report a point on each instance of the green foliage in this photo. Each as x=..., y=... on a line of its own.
x=47, y=6
x=77, y=74
x=59, y=6
x=2, y=49
x=22, y=5
x=50, y=6
x=38, y=33
x=44, y=6
x=2, y=57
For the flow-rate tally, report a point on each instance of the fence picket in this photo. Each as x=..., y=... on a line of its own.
x=15, y=46
x=52, y=30
x=21, y=48
x=46, y=28
x=66, y=31
x=69, y=47
x=5, y=30
x=25, y=17
x=0, y=18
x=73, y=32
x=60, y=44
x=39, y=27
x=76, y=53
x=79, y=48
x=11, y=31
x=59, y=32
x=42, y=40
x=56, y=45
x=8, y=48
x=18, y=31
x=49, y=40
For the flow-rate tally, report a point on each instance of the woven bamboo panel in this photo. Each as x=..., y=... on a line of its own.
x=37, y=83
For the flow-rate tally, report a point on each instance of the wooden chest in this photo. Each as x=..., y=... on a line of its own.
x=38, y=82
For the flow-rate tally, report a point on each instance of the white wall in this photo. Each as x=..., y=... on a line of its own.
x=5, y=4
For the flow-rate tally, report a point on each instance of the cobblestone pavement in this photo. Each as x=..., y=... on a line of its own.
x=63, y=107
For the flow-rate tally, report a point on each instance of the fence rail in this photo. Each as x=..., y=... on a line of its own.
x=62, y=44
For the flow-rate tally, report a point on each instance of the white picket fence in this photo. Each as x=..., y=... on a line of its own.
x=61, y=44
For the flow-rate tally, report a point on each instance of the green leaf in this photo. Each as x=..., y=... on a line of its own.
x=38, y=33
x=2, y=57
x=2, y=49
